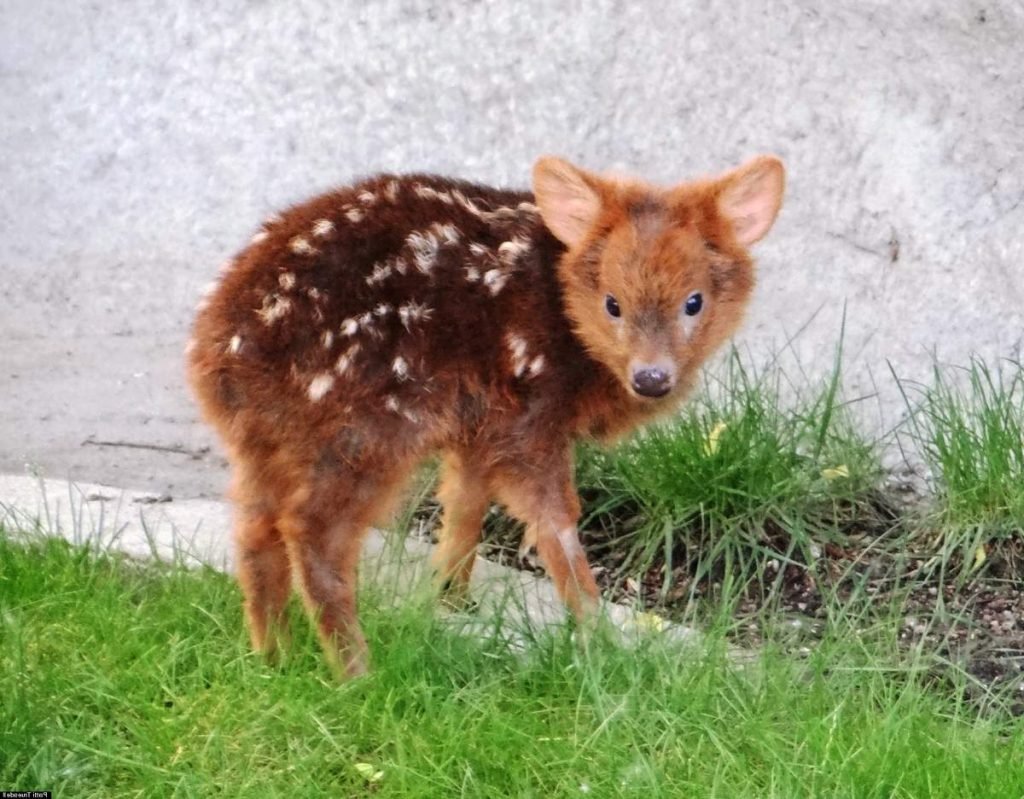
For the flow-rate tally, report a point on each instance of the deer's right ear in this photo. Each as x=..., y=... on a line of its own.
x=568, y=198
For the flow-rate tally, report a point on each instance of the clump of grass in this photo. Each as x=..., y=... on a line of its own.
x=969, y=427
x=134, y=679
x=754, y=467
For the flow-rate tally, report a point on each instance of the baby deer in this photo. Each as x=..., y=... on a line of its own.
x=406, y=315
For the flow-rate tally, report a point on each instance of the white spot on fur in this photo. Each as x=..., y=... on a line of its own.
x=190, y=346
x=235, y=344
x=274, y=307
x=510, y=250
x=327, y=339
x=313, y=293
x=368, y=324
x=424, y=248
x=472, y=274
x=323, y=228
x=516, y=344
x=354, y=215
x=367, y=197
x=478, y=249
x=413, y=312
x=320, y=385
x=392, y=404
x=536, y=366
x=430, y=193
x=258, y=237
x=391, y=190
x=301, y=246
x=529, y=208
x=400, y=367
x=287, y=281
x=517, y=349
x=345, y=360
x=350, y=326
x=381, y=272
x=495, y=280
x=449, y=234
x=400, y=265
x=466, y=203
x=273, y=219
x=382, y=310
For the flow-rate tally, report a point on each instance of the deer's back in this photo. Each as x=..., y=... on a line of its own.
x=400, y=313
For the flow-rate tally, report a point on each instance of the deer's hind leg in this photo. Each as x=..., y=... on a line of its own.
x=465, y=498
x=263, y=568
x=324, y=527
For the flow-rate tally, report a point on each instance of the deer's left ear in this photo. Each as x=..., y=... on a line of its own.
x=750, y=197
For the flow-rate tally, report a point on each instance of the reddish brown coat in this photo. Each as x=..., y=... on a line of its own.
x=373, y=326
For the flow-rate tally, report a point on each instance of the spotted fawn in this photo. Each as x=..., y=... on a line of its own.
x=373, y=326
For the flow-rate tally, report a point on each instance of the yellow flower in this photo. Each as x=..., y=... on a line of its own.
x=368, y=772
x=711, y=445
x=834, y=474
x=649, y=622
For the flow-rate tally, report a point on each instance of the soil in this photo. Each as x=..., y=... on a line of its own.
x=966, y=614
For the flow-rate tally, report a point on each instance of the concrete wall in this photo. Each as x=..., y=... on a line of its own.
x=143, y=141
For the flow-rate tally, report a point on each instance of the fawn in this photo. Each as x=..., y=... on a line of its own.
x=375, y=325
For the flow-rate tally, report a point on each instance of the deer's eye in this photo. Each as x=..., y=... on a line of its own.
x=612, y=306
x=694, y=303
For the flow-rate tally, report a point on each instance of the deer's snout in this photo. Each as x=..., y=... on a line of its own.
x=652, y=380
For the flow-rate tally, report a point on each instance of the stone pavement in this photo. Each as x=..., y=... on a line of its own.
x=196, y=532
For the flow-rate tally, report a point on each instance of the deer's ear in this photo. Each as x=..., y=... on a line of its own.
x=568, y=197
x=750, y=197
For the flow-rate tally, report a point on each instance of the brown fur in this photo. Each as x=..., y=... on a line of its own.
x=356, y=335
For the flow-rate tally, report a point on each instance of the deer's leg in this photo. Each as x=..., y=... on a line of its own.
x=265, y=577
x=324, y=529
x=541, y=495
x=464, y=496
x=262, y=564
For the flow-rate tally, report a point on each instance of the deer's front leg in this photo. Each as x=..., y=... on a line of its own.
x=542, y=496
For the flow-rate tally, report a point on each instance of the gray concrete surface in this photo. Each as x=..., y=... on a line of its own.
x=191, y=532
x=142, y=143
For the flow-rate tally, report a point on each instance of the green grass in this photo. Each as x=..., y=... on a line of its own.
x=754, y=467
x=134, y=679
x=121, y=678
x=968, y=424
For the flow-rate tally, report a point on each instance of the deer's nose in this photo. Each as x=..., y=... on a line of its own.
x=651, y=381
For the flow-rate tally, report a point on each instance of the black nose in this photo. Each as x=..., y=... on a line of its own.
x=651, y=382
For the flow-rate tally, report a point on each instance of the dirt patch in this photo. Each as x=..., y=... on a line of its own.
x=966, y=613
